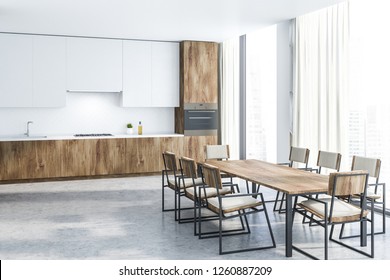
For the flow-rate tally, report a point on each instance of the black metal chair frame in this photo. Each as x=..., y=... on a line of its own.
x=372, y=208
x=178, y=179
x=240, y=214
x=196, y=201
x=383, y=203
x=289, y=164
x=318, y=171
x=328, y=222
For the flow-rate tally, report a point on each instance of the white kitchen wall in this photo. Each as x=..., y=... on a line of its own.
x=86, y=113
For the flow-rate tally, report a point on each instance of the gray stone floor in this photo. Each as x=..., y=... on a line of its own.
x=121, y=218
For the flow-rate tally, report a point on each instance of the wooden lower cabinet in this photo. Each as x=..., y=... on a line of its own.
x=21, y=160
x=143, y=155
x=194, y=146
x=91, y=157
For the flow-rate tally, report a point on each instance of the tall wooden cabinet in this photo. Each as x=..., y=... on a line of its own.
x=199, y=72
x=198, y=84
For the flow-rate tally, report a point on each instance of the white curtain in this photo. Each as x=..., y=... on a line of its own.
x=230, y=89
x=321, y=44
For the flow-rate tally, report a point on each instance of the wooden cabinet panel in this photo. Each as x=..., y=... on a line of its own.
x=148, y=154
x=30, y=159
x=77, y=161
x=16, y=160
x=94, y=157
x=194, y=146
x=84, y=157
x=48, y=162
x=171, y=144
x=199, y=72
x=110, y=157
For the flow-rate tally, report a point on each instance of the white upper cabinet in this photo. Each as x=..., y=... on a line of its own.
x=16, y=66
x=32, y=71
x=165, y=74
x=137, y=69
x=150, y=74
x=49, y=71
x=94, y=65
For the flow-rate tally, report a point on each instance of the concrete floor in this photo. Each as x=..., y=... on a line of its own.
x=121, y=218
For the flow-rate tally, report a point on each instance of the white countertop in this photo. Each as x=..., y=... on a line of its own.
x=10, y=138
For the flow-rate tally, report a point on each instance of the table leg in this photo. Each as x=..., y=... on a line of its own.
x=289, y=217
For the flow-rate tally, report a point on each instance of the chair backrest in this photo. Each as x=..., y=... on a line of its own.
x=218, y=152
x=348, y=183
x=169, y=161
x=328, y=160
x=188, y=167
x=299, y=155
x=211, y=176
x=372, y=165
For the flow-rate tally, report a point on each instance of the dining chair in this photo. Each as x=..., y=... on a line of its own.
x=218, y=152
x=172, y=178
x=376, y=190
x=331, y=211
x=221, y=152
x=231, y=206
x=327, y=160
x=297, y=155
x=192, y=181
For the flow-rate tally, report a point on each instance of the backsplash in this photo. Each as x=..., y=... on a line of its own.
x=86, y=113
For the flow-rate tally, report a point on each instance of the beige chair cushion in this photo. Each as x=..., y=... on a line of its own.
x=342, y=211
x=210, y=192
x=187, y=181
x=372, y=165
x=327, y=159
x=230, y=204
x=373, y=195
x=298, y=155
x=217, y=152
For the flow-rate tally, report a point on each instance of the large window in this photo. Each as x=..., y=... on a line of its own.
x=261, y=94
x=369, y=112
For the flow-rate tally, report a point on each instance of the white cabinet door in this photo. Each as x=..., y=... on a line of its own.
x=49, y=71
x=150, y=74
x=94, y=65
x=15, y=70
x=165, y=74
x=137, y=74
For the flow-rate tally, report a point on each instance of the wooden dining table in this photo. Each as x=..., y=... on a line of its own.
x=290, y=181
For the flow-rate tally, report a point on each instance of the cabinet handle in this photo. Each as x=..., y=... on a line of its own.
x=90, y=91
x=200, y=118
x=201, y=111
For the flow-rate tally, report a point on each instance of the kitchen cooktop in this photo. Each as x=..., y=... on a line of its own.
x=93, y=135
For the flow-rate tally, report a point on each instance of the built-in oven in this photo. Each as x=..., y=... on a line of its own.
x=200, y=119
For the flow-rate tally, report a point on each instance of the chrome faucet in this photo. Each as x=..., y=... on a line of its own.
x=28, y=128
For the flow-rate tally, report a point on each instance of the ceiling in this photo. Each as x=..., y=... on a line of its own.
x=163, y=20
